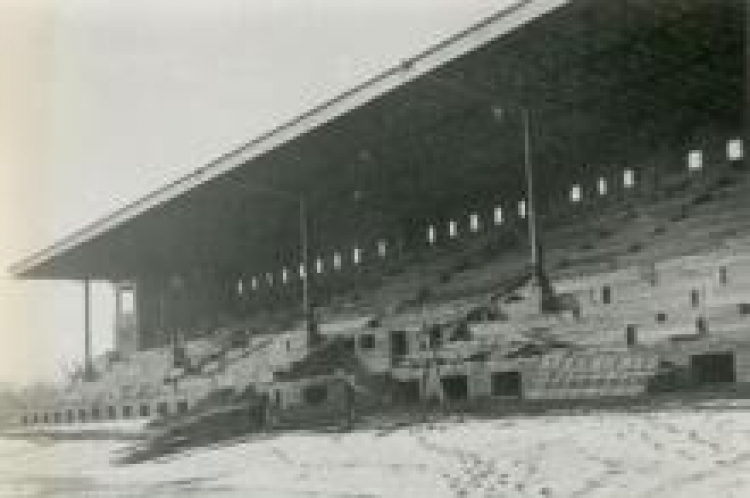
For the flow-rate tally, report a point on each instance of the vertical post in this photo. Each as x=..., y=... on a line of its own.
x=88, y=367
x=305, y=248
x=119, y=326
x=530, y=208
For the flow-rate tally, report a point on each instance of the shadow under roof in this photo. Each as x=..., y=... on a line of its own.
x=604, y=79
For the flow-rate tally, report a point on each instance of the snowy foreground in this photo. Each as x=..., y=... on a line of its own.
x=702, y=452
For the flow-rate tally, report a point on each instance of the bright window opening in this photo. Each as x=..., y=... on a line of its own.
x=269, y=278
x=695, y=160
x=240, y=287
x=127, y=298
x=452, y=229
x=431, y=236
x=357, y=255
x=735, y=151
x=575, y=193
x=382, y=248
x=336, y=261
x=522, y=209
x=319, y=265
x=302, y=271
x=474, y=222
x=628, y=178
x=284, y=275
x=601, y=186
x=498, y=216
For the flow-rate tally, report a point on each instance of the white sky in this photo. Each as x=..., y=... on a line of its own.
x=102, y=101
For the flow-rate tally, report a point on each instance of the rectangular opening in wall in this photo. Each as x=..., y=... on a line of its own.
x=455, y=387
x=474, y=222
x=399, y=344
x=631, y=335
x=367, y=341
x=628, y=178
x=436, y=337
x=315, y=394
x=182, y=406
x=695, y=298
x=522, y=209
x=712, y=368
x=695, y=160
x=601, y=186
x=498, y=216
x=431, y=235
x=575, y=193
x=452, y=229
x=406, y=392
x=127, y=300
x=735, y=151
x=382, y=248
x=506, y=384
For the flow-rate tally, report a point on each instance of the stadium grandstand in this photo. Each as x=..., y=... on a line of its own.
x=550, y=204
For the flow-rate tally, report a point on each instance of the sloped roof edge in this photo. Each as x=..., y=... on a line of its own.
x=505, y=20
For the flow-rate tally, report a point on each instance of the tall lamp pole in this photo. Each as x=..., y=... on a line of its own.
x=482, y=93
x=305, y=249
x=529, y=169
x=528, y=166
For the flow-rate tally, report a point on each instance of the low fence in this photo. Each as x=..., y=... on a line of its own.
x=75, y=413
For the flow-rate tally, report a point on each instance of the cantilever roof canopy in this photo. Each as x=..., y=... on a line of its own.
x=603, y=79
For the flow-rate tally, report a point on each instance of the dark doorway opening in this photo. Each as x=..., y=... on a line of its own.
x=436, y=337
x=406, y=392
x=456, y=387
x=713, y=368
x=399, y=344
x=506, y=384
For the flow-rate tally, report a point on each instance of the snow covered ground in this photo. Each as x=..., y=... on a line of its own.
x=678, y=452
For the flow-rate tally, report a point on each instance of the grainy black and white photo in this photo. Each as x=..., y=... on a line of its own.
x=374, y=248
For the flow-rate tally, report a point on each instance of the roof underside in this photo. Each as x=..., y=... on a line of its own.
x=604, y=79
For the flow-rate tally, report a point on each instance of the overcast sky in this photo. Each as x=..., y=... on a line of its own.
x=102, y=101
